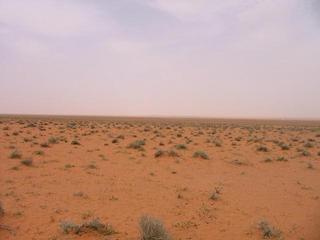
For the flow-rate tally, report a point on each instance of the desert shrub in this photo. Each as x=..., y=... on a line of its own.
x=27, y=162
x=267, y=230
x=120, y=137
x=53, y=140
x=201, y=154
x=308, y=145
x=75, y=142
x=305, y=153
x=138, y=144
x=68, y=165
x=92, y=166
x=159, y=153
x=262, y=148
x=181, y=146
x=94, y=225
x=69, y=227
x=281, y=159
x=267, y=160
x=39, y=152
x=216, y=194
x=238, y=139
x=44, y=145
x=152, y=229
x=80, y=194
x=99, y=227
x=172, y=153
x=284, y=146
x=15, y=154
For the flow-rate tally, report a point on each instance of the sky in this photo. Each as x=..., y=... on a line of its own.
x=200, y=58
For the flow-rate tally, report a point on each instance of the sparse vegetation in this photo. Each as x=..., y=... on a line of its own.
x=267, y=160
x=53, y=140
x=159, y=153
x=27, y=162
x=15, y=154
x=181, y=146
x=138, y=144
x=98, y=172
x=267, y=230
x=68, y=165
x=201, y=154
x=44, y=145
x=152, y=229
x=282, y=159
x=75, y=142
x=308, y=145
x=262, y=148
x=305, y=153
x=216, y=194
x=92, y=166
x=39, y=152
x=284, y=146
x=94, y=225
x=170, y=153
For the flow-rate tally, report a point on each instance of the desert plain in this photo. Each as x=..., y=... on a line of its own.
x=204, y=179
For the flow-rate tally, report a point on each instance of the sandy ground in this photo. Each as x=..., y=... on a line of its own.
x=257, y=171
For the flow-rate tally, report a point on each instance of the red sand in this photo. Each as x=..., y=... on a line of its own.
x=117, y=184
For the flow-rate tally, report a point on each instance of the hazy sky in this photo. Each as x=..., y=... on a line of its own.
x=214, y=58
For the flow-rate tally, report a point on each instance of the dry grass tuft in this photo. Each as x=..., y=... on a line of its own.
x=15, y=154
x=27, y=162
x=94, y=225
x=152, y=229
x=201, y=154
x=138, y=144
x=268, y=231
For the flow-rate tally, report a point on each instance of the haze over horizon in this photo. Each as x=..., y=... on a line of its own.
x=249, y=59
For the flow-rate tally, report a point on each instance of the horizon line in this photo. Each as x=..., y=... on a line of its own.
x=161, y=116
